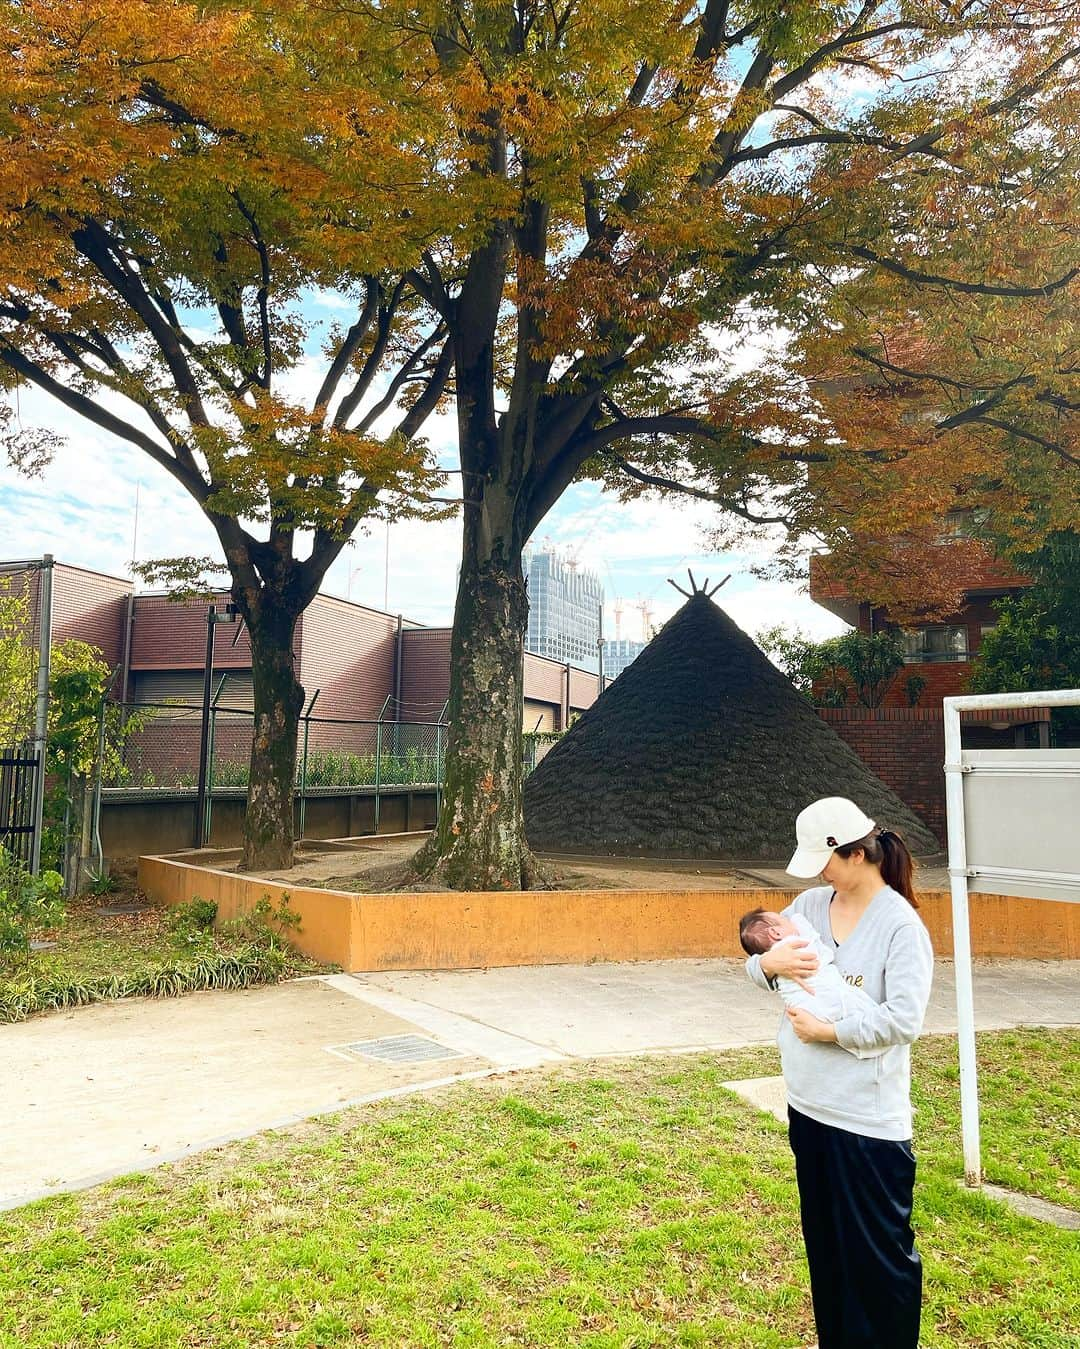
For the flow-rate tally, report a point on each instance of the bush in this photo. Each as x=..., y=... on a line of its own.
x=197, y=915
x=28, y=904
x=264, y=925
x=255, y=963
x=829, y=672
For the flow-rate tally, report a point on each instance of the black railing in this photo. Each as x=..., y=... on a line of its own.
x=18, y=773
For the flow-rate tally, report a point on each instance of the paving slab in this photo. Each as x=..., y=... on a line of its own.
x=123, y=1086
x=763, y=1093
x=587, y=1011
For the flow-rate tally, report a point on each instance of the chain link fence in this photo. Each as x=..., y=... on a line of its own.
x=153, y=749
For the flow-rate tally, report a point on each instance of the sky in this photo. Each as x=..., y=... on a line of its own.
x=103, y=504
x=82, y=509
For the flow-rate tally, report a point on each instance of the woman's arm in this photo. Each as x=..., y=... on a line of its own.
x=909, y=970
x=790, y=960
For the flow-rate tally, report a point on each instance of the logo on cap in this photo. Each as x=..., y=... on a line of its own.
x=832, y=842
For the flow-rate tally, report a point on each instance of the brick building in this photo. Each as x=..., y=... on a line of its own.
x=360, y=661
x=905, y=744
x=938, y=651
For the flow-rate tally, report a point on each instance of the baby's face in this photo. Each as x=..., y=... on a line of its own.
x=779, y=928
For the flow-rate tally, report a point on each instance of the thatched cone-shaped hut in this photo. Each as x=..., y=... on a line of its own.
x=700, y=748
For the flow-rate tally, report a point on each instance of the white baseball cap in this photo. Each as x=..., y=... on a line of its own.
x=830, y=823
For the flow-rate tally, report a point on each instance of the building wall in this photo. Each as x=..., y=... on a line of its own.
x=905, y=747
x=425, y=674
x=584, y=690
x=619, y=654
x=546, y=684
x=564, y=610
x=87, y=606
x=91, y=607
x=946, y=678
x=537, y=716
x=186, y=686
x=348, y=653
x=171, y=635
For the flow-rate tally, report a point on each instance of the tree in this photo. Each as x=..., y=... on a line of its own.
x=165, y=215
x=855, y=663
x=662, y=186
x=17, y=669
x=1035, y=643
x=582, y=218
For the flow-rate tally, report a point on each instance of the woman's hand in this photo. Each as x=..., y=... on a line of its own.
x=809, y=1028
x=791, y=960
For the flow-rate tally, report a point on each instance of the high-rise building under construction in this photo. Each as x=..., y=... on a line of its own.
x=564, y=609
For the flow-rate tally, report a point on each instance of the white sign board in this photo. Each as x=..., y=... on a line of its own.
x=1013, y=818
x=1022, y=822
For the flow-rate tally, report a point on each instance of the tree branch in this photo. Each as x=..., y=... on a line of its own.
x=371, y=366
x=263, y=291
x=86, y=407
x=418, y=414
x=952, y=283
x=699, y=494
x=94, y=243
x=349, y=346
x=400, y=379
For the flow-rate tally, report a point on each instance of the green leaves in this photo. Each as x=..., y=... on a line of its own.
x=28, y=904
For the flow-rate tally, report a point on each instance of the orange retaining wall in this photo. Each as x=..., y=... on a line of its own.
x=467, y=930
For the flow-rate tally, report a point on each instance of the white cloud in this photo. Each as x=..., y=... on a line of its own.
x=83, y=511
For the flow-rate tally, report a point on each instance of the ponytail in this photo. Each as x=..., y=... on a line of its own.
x=888, y=851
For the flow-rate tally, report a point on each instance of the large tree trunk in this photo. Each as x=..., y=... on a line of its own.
x=279, y=700
x=479, y=843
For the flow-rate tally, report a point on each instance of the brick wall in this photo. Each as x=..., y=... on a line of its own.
x=905, y=747
x=346, y=652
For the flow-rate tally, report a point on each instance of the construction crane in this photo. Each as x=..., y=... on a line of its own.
x=618, y=607
x=645, y=607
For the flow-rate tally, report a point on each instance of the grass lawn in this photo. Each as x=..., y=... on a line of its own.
x=99, y=956
x=619, y=1204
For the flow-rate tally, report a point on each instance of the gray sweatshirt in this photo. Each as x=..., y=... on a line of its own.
x=889, y=957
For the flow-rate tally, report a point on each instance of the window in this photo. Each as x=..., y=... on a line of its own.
x=966, y=522
x=937, y=643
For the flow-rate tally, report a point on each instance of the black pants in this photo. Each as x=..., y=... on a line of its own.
x=855, y=1200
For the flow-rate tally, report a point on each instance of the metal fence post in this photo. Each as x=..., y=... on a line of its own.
x=438, y=770
x=304, y=765
x=378, y=770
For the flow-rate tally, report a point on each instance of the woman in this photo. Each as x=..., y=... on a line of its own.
x=848, y=1082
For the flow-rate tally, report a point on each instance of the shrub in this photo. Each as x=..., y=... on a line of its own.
x=266, y=925
x=255, y=963
x=197, y=915
x=28, y=904
x=913, y=687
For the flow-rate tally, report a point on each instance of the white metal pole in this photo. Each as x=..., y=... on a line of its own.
x=965, y=1002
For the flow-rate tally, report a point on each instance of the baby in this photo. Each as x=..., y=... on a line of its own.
x=826, y=994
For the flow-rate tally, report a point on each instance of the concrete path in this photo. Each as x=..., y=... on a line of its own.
x=587, y=1011
x=125, y=1086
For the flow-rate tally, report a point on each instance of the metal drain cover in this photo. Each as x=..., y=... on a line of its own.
x=398, y=1049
